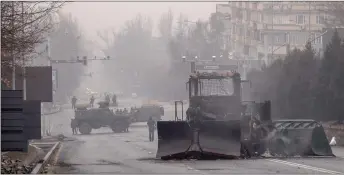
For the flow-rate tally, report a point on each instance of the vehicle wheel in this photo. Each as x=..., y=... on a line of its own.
x=118, y=127
x=96, y=125
x=85, y=128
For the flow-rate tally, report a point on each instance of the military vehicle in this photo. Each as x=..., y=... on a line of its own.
x=96, y=118
x=143, y=113
x=219, y=125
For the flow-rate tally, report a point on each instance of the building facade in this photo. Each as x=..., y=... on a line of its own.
x=268, y=30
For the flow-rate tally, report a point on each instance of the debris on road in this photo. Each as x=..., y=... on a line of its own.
x=14, y=166
x=333, y=141
x=20, y=162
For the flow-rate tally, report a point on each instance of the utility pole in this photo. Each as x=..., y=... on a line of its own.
x=23, y=54
x=309, y=19
x=273, y=35
x=13, y=55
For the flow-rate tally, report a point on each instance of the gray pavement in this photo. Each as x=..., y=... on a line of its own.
x=123, y=153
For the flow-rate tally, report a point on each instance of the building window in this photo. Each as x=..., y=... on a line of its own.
x=318, y=39
x=255, y=5
x=240, y=31
x=257, y=35
x=277, y=39
x=259, y=19
x=300, y=19
x=248, y=15
x=240, y=4
x=293, y=39
x=277, y=20
x=319, y=19
x=247, y=5
x=248, y=33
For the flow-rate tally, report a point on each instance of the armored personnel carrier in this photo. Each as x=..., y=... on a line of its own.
x=95, y=118
x=143, y=113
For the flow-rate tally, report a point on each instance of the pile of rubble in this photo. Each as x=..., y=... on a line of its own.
x=10, y=166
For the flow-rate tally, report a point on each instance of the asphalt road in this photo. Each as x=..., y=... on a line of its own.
x=132, y=153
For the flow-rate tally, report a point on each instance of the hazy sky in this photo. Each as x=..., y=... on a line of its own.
x=93, y=16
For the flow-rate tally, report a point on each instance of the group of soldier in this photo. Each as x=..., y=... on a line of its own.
x=150, y=123
x=92, y=99
x=125, y=111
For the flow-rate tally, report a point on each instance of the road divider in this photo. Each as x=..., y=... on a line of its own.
x=42, y=163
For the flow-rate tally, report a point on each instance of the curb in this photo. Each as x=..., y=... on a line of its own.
x=39, y=167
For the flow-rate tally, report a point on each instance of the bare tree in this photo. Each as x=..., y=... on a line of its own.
x=165, y=25
x=334, y=12
x=23, y=26
x=336, y=9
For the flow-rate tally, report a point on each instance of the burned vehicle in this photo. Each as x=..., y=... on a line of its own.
x=143, y=113
x=95, y=118
x=219, y=125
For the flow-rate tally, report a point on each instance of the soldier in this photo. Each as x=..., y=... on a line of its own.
x=125, y=111
x=73, y=125
x=107, y=98
x=151, y=127
x=92, y=101
x=74, y=102
x=114, y=99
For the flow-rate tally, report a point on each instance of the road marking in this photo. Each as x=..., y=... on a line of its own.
x=305, y=166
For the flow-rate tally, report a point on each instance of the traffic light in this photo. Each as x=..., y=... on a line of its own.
x=184, y=58
x=214, y=58
x=85, y=60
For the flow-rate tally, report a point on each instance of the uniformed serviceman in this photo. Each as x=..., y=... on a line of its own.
x=114, y=99
x=73, y=125
x=73, y=102
x=107, y=98
x=151, y=128
x=92, y=101
x=125, y=111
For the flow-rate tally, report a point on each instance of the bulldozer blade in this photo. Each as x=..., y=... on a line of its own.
x=207, y=139
x=300, y=137
x=174, y=138
x=220, y=138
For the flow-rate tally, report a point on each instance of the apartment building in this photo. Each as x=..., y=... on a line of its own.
x=268, y=30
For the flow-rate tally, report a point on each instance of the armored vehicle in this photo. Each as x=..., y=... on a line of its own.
x=95, y=118
x=143, y=113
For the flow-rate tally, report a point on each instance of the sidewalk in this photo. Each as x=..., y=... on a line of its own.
x=55, y=109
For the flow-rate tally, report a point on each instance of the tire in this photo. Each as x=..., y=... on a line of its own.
x=85, y=128
x=118, y=127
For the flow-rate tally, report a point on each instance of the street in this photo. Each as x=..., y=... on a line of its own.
x=131, y=153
